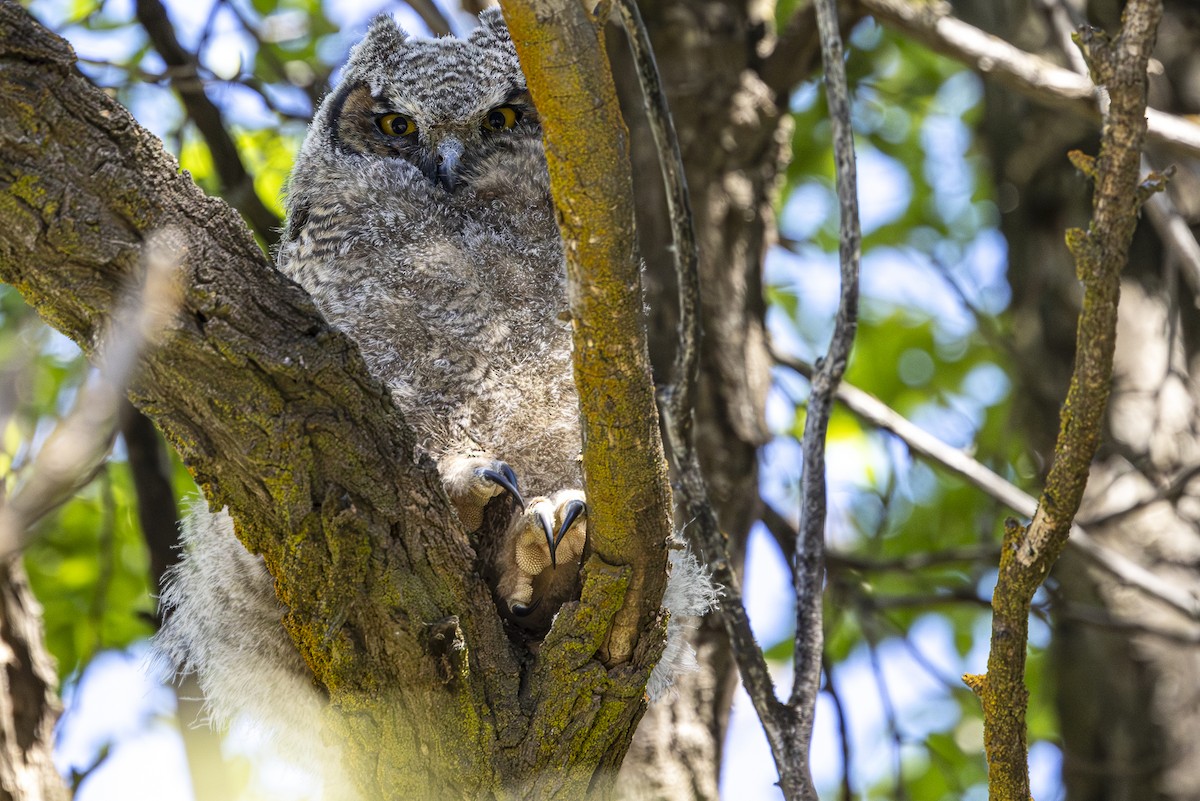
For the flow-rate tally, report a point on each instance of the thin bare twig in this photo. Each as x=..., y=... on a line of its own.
x=1100, y=254
x=1100, y=617
x=889, y=713
x=874, y=411
x=1173, y=490
x=1172, y=228
x=843, y=728
x=314, y=90
x=237, y=185
x=784, y=534
x=808, y=571
x=1065, y=22
x=1176, y=235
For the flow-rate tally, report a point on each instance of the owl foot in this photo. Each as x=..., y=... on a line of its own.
x=552, y=530
x=472, y=481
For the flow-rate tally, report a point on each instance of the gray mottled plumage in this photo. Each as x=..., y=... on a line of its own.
x=438, y=253
x=420, y=221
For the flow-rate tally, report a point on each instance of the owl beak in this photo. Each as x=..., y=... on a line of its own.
x=448, y=154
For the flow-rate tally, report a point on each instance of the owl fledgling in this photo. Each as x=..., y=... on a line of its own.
x=420, y=221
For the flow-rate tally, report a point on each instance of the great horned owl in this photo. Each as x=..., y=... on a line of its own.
x=420, y=221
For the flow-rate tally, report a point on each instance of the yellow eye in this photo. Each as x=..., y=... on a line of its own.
x=396, y=125
x=501, y=118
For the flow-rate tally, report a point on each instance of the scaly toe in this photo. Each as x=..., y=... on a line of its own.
x=535, y=545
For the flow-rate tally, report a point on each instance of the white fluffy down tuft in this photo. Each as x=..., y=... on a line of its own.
x=690, y=593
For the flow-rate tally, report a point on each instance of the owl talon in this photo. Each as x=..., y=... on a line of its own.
x=472, y=480
x=524, y=610
x=548, y=542
x=506, y=478
x=571, y=512
x=548, y=530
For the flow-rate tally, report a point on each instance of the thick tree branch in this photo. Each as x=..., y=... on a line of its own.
x=1100, y=254
x=273, y=412
x=560, y=46
x=1033, y=76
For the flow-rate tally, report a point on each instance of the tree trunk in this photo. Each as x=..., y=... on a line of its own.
x=28, y=703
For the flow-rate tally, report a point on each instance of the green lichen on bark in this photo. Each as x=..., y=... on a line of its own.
x=1029, y=552
x=560, y=45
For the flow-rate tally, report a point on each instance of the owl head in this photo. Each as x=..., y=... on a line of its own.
x=438, y=104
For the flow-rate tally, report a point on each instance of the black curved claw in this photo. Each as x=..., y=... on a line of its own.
x=548, y=528
x=574, y=510
x=506, y=478
x=521, y=610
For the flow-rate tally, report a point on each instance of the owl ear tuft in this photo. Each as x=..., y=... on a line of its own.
x=384, y=37
x=492, y=29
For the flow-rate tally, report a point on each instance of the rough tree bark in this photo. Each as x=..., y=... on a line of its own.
x=28, y=701
x=1029, y=552
x=275, y=415
x=1125, y=666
